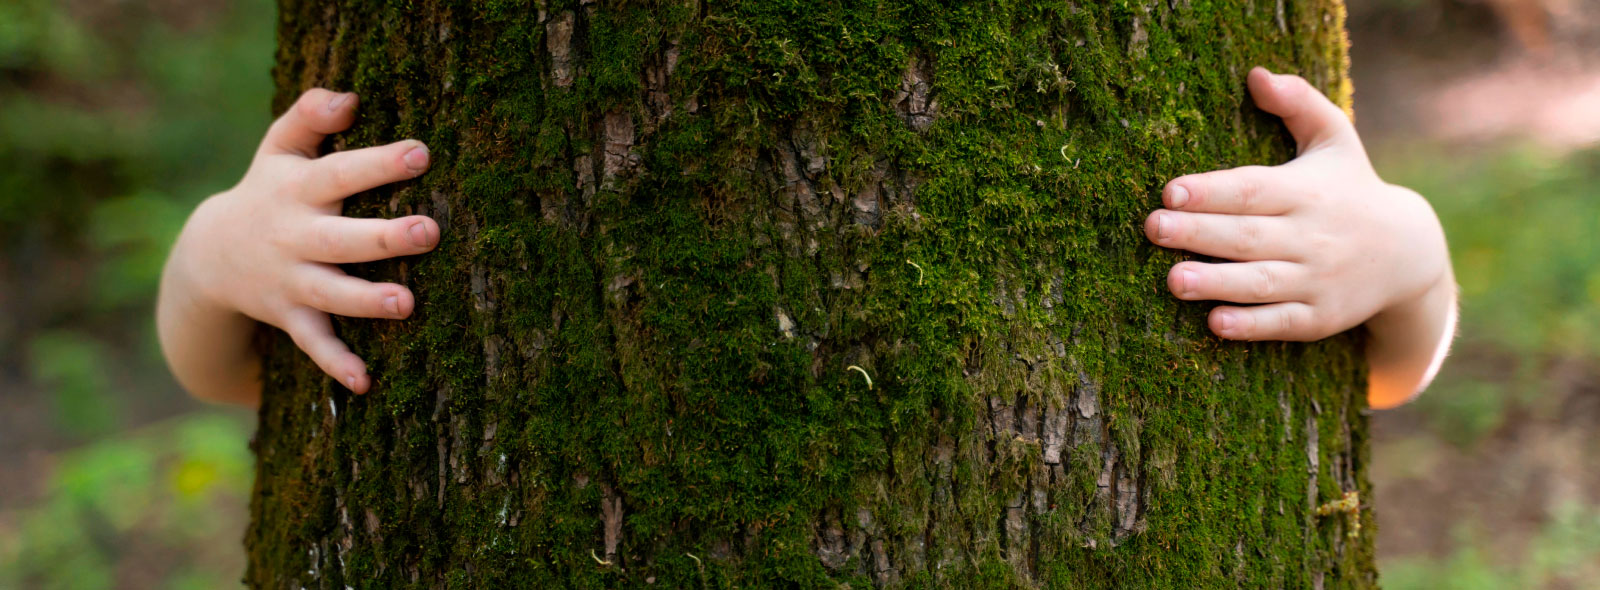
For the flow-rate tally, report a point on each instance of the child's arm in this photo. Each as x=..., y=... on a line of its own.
x=267, y=250
x=1321, y=243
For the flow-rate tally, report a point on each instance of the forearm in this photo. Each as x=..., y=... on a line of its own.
x=1409, y=343
x=208, y=347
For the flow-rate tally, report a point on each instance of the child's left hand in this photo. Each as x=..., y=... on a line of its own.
x=1321, y=243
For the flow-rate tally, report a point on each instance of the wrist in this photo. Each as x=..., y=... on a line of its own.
x=205, y=339
x=1420, y=304
x=1409, y=341
x=184, y=278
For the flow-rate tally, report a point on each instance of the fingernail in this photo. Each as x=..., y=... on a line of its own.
x=350, y=382
x=1180, y=196
x=1163, y=226
x=417, y=158
x=418, y=234
x=1187, y=280
x=393, y=305
x=338, y=101
x=1226, y=321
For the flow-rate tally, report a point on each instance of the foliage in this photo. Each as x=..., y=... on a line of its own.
x=1564, y=554
x=169, y=489
x=1524, y=231
x=1524, y=228
x=118, y=117
x=67, y=363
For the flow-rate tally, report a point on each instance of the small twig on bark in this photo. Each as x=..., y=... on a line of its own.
x=1350, y=506
x=701, y=567
x=1064, y=156
x=863, y=374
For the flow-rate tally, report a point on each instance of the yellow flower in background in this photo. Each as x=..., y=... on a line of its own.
x=193, y=478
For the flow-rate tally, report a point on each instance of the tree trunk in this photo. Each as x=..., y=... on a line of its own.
x=778, y=294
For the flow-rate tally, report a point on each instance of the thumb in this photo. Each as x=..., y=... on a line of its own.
x=1311, y=117
x=315, y=115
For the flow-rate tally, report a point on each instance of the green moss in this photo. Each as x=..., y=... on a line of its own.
x=579, y=337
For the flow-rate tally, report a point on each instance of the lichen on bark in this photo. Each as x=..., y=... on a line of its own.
x=671, y=228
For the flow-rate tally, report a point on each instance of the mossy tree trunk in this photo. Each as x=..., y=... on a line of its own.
x=767, y=293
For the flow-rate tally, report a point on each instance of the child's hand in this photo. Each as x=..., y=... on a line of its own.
x=1321, y=243
x=267, y=249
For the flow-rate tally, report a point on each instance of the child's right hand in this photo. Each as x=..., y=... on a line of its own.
x=267, y=249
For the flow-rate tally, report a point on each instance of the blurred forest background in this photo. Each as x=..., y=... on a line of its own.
x=117, y=117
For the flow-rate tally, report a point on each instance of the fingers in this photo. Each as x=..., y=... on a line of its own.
x=1235, y=237
x=319, y=112
x=1291, y=321
x=1248, y=190
x=321, y=290
x=1311, y=117
x=313, y=333
x=328, y=289
x=343, y=240
x=1243, y=282
x=316, y=114
x=341, y=174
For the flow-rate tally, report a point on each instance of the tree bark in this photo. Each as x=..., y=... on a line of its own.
x=768, y=293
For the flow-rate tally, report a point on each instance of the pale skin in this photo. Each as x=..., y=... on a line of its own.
x=1321, y=243
x=266, y=250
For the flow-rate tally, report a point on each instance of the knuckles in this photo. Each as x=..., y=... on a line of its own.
x=1266, y=287
x=1310, y=196
x=328, y=241
x=1247, y=239
x=309, y=102
x=1288, y=324
x=342, y=178
x=293, y=182
x=318, y=296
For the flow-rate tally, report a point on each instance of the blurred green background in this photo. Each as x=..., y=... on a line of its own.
x=117, y=117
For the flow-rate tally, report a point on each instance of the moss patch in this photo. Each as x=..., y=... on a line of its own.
x=671, y=227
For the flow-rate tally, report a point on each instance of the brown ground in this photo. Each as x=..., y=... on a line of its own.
x=1507, y=484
